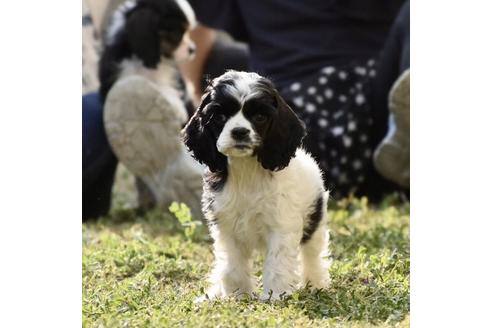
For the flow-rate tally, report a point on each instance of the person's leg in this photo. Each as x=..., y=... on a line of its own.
x=392, y=104
x=98, y=160
x=392, y=156
x=393, y=61
x=143, y=127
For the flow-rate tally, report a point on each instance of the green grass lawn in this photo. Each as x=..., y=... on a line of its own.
x=142, y=270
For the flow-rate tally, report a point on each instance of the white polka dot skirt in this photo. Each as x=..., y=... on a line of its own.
x=334, y=105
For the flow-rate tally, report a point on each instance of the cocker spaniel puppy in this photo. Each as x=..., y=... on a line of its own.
x=261, y=190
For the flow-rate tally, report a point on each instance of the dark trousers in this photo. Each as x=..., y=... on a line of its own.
x=98, y=161
x=393, y=61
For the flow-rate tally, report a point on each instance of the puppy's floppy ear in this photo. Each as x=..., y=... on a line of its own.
x=142, y=30
x=282, y=138
x=200, y=138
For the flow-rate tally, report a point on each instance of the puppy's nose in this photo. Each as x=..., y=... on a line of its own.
x=191, y=50
x=239, y=133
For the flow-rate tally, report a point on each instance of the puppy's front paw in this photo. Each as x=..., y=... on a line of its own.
x=215, y=292
x=201, y=299
x=272, y=296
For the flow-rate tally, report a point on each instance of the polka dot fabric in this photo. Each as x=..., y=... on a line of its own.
x=334, y=105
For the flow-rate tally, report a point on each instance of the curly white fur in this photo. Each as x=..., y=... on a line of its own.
x=266, y=211
x=262, y=192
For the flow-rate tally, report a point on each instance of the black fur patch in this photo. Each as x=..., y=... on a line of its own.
x=215, y=181
x=201, y=133
x=282, y=138
x=208, y=204
x=313, y=220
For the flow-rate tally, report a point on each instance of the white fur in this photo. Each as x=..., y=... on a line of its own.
x=118, y=20
x=263, y=210
x=188, y=11
x=243, y=88
x=226, y=144
x=182, y=53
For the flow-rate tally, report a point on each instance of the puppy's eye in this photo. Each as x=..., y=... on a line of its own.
x=220, y=118
x=259, y=118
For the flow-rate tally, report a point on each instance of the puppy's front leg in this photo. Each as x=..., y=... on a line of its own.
x=281, y=268
x=232, y=271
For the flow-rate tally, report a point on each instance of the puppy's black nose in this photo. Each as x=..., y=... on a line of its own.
x=191, y=50
x=239, y=133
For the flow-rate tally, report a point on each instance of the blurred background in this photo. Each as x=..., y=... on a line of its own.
x=343, y=66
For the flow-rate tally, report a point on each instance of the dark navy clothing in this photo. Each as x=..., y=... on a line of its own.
x=98, y=160
x=334, y=106
x=393, y=61
x=325, y=58
x=292, y=39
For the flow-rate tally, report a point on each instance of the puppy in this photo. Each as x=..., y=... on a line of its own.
x=261, y=190
x=146, y=38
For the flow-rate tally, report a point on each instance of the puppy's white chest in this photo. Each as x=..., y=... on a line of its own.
x=247, y=213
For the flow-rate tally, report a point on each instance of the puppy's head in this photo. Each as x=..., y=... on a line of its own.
x=154, y=29
x=242, y=114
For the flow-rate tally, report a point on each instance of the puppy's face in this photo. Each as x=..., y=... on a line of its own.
x=160, y=28
x=247, y=110
x=185, y=50
x=174, y=32
x=242, y=114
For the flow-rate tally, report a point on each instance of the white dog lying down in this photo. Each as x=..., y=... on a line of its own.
x=261, y=190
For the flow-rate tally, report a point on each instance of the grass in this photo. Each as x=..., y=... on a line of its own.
x=142, y=270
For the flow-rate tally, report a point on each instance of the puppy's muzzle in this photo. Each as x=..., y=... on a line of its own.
x=191, y=50
x=240, y=134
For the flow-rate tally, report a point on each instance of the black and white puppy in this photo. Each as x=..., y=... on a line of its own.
x=261, y=190
x=147, y=38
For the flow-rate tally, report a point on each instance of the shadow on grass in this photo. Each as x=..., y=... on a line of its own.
x=154, y=223
x=368, y=302
x=129, y=242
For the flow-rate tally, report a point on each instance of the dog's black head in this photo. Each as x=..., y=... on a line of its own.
x=242, y=114
x=151, y=29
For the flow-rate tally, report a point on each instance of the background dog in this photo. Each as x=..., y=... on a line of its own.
x=145, y=101
x=146, y=38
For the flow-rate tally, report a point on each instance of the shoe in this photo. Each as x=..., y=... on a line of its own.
x=392, y=157
x=143, y=128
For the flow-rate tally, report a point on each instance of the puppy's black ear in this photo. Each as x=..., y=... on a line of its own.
x=282, y=138
x=200, y=138
x=142, y=30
